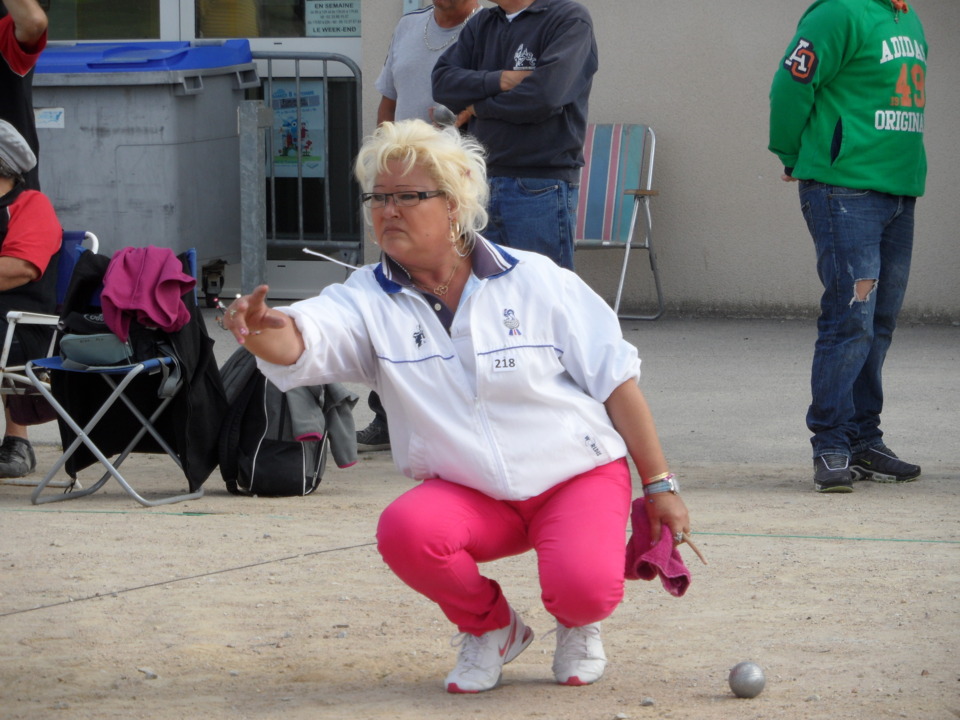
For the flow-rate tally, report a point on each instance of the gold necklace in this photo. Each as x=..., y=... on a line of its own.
x=441, y=289
x=451, y=40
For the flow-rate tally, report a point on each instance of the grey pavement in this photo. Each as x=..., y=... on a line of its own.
x=262, y=607
x=736, y=390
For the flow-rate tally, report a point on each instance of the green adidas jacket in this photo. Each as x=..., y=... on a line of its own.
x=847, y=101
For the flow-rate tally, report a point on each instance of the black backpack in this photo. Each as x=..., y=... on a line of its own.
x=260, y=453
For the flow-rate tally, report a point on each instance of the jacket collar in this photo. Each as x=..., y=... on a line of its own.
x=536, y=6
x=489, y=261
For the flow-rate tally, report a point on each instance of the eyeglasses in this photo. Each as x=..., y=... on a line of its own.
x=405, y=198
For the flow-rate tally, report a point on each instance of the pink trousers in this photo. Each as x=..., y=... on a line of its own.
x=435, y=535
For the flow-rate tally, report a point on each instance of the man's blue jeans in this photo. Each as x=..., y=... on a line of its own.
x=535, y=214
x=864, y=244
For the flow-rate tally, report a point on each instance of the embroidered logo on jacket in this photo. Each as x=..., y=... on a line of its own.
x=802, y=61
x=591, y=443
x=523, y=59
x=511, y=322
x=419, y=337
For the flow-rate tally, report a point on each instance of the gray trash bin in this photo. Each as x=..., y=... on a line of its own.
x=139, y=141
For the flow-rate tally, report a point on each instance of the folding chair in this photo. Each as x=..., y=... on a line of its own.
x=13, y=380
x=616, y=187
x=139, y=395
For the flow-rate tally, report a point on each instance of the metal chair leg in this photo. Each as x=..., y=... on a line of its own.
x=112, y=468
x=647, y=245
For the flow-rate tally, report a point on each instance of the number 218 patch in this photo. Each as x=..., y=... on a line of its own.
x=504, y=363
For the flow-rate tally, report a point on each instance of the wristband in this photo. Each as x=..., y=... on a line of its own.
x=668, y=484
x=657, y=478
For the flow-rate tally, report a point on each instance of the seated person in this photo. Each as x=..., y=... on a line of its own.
x=29, y=237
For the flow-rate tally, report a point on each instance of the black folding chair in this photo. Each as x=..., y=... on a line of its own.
x=141, y=394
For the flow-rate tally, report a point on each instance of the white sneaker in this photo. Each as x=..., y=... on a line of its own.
x=482, y=658
x=579, y=658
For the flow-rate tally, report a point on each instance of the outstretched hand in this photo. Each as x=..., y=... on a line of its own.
x=249, y=315
x=271, y=335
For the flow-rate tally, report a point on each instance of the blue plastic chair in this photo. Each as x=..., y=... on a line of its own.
x=71, y=246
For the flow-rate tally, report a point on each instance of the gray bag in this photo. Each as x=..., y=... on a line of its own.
x=96, y=350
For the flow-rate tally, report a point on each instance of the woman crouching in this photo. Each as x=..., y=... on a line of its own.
x=512, y=399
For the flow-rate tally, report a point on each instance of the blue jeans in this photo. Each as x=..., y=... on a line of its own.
x=535, y=214
x=864, y=244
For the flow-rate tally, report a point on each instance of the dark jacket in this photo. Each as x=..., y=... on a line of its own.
x=536, y=129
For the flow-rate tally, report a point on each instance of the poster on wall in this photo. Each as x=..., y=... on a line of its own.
x=303, y=136
x=332, y=18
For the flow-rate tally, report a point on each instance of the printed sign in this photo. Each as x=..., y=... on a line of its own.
x=295, y=136
x=333, y=18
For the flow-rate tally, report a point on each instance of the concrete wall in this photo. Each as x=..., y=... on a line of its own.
x=729, y=232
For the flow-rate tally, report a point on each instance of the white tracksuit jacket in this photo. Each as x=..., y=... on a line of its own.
x=510, y=402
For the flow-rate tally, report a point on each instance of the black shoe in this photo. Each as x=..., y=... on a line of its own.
x=831, y=474
x=16, y=457
x=374, y=436
x=881, y=464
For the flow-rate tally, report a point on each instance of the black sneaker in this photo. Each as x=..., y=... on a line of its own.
x=881, y=464
x=374, y=436
x=16, y=457
x=831, y=474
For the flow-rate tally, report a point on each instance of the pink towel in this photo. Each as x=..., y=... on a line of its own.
x=645, y=562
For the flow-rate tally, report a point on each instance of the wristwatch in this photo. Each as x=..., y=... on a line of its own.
x=667, y=484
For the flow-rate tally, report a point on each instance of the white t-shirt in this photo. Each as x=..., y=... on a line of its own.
x=405, y=76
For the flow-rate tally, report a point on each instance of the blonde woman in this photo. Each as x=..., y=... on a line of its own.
x=515, y=399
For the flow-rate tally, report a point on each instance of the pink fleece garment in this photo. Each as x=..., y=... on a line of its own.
x=146, y=284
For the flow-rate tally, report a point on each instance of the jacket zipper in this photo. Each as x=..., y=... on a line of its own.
x=488, y=437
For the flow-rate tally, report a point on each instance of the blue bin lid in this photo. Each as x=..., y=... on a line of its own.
x=142, y=56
